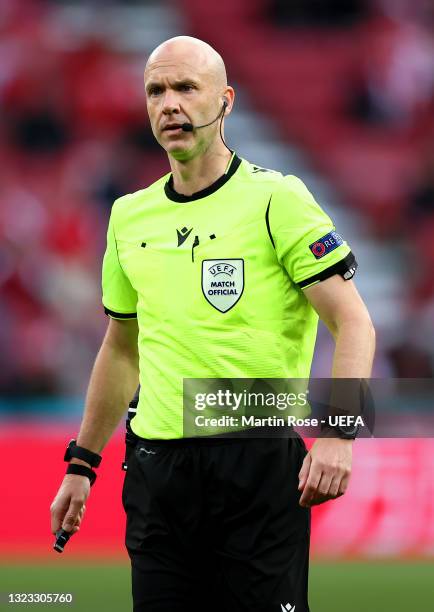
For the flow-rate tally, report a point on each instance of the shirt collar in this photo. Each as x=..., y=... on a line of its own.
x=203, y=193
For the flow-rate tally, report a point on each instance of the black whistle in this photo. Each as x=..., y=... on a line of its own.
x=62, y=538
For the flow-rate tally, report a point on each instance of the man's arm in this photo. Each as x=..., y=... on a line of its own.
x=114, y=379
x=326, y=469
x=343, y=311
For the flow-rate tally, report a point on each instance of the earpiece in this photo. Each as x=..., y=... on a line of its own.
x=189, y=127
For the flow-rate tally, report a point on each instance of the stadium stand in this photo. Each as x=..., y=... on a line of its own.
x=74, y=136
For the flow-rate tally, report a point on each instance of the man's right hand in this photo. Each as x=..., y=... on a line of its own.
x=68, y=506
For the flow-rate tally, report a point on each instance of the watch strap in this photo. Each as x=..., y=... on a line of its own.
x=78, y=452
x=82, y=470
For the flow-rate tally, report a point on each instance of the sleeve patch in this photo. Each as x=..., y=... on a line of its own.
x=326, y=244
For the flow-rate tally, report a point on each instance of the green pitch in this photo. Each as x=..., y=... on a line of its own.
x=334, y=587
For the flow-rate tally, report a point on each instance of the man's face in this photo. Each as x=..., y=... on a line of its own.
x=177, y=91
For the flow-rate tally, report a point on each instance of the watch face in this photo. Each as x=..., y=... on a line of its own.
x=348, y=430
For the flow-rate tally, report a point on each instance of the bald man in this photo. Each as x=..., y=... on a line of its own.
x=219, y=270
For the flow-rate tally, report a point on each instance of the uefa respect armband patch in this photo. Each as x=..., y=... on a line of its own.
x=326, y=244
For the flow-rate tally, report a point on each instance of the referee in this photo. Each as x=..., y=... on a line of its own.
x=219, y=269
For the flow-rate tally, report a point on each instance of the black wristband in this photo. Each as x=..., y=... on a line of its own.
x=78, y=452
x=82, y=470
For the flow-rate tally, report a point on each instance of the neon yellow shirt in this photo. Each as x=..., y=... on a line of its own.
x=216, y=282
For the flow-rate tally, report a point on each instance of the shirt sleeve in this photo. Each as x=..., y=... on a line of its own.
x=118, y=296
x=304, y=237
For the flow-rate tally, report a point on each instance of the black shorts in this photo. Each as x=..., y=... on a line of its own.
x=216, y=525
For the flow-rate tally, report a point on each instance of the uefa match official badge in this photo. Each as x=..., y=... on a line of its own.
x=222, y=282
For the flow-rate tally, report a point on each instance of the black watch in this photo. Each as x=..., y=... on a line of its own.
x=78, y=452
x=344, y=432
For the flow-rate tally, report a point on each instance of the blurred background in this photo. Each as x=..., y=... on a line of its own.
x=337, y=92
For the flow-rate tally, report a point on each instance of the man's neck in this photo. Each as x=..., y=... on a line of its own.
x=199, y=173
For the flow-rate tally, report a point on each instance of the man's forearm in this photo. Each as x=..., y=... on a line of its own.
x=354, y=350
x=326, y=468
x=114, y=379
x=353, y=357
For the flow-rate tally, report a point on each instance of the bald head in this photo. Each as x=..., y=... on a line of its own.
x=194, y=52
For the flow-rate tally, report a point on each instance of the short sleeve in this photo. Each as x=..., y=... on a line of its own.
x=118, y=296
x=304, y=237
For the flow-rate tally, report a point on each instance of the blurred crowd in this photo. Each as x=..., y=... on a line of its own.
x=74, y=136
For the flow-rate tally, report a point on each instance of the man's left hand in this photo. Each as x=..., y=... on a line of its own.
x=326, y=471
